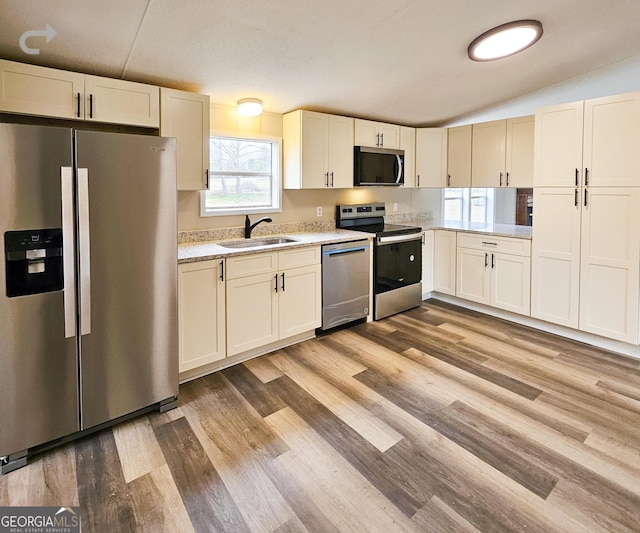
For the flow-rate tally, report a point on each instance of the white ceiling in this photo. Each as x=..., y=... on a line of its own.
x=403, y=61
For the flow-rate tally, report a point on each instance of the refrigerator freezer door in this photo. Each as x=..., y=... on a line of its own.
x=38, y=365
x=129, y=360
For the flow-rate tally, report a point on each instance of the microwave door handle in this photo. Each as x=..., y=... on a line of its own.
x=399, y=163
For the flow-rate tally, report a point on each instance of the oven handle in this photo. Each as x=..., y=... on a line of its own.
x=399, y=238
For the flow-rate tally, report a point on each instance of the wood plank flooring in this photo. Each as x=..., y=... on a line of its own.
x=438, y=419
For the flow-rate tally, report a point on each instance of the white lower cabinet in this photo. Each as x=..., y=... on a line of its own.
x=272, y=296
x=494, y=271
x=610, y=263
x=587, y=260
x=428, y=241
x=555, y=274
x=444, y=262
x=201, y=313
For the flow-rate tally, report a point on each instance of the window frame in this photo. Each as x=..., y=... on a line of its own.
x=466, y=199
x=276, y=180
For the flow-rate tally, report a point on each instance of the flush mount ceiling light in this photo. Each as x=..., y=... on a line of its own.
x=505, y=40
x=249, y=107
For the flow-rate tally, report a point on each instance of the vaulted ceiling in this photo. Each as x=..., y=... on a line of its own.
x=402, y=61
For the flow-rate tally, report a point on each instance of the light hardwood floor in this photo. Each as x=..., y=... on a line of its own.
x=437, y=419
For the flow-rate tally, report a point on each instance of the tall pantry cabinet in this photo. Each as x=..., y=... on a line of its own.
x=586, y=231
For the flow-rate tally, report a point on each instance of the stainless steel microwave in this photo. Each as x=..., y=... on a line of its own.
x=378, y=166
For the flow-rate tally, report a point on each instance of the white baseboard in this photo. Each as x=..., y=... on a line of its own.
x=623, y=348
x=242, y=357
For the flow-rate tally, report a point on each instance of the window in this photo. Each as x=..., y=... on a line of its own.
x=468, y=205
x=244, y=176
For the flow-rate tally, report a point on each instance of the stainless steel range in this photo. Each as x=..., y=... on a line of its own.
x=397, y=257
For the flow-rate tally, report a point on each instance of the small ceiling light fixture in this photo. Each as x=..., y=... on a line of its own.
x=250, y=107
x=505, y=40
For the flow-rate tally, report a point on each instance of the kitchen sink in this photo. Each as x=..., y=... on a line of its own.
x=252, y=243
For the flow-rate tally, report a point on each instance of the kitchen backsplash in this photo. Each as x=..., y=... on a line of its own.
x=220, y=234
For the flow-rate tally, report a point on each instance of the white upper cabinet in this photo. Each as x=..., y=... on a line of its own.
x=558, y=145
x=611, y=155
x=318, y=150
x=519, y=152
x=185, y=116
x=33, y=90
x=408, y=144
x=502, y=153
x=340, y=153
x=121, y=102
x=380, y=134
x=592, y=143
x=459, y=156
x=488, y=154
x=431, y=157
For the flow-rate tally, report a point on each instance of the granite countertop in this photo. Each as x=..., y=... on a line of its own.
x=201, y=251
x=200, y=245
x=499, y=230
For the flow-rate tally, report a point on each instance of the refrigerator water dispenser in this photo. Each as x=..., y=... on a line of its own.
x=33, y=260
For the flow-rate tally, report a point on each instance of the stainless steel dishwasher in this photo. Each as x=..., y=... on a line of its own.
x=346, y=281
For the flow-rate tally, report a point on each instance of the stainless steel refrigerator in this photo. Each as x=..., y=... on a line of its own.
x=88, y=313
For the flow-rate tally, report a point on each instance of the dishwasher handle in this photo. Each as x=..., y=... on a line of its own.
x=346, y=251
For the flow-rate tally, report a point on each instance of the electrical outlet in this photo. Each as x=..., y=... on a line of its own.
x=319, y=211
x=395, y=206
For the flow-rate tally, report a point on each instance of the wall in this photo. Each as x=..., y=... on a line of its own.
x=297, y=205
x=621, y=77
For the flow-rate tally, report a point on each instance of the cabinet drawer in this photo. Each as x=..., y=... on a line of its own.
x=298, y=257
x=250, y=265
x=490, y=242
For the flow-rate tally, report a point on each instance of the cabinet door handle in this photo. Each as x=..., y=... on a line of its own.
x=418, y=180
x=448, y=180
x=507, y=179
x=222, y=270
x=577, y=171
x=382, y=139
x=575, y=198
x=326, y=179
x=206, y=173
x=90, y=106
x=377, y=139
x=586, y=177
x=486, y=259
x=585, y=197
x=500, y=179
x=493, y=263
x=283, y=282
x=490, y=243
x=331, y=185
x=78, y=105
x=276, y=278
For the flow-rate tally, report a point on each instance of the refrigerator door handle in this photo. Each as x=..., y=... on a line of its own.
x=84, y=251
x=68, y=252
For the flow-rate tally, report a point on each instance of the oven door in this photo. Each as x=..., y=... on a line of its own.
x=398, y=262
x=398, y=274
